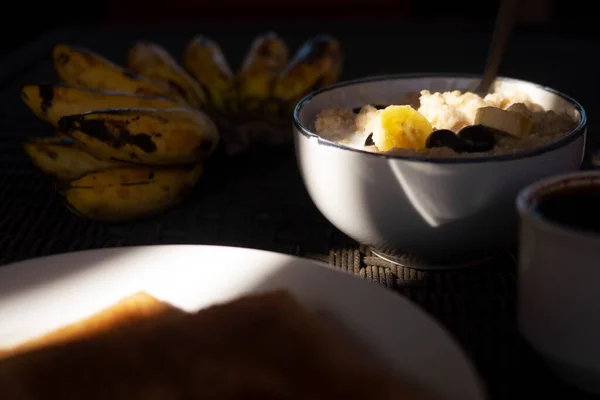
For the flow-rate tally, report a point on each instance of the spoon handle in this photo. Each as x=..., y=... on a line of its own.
x=504, y=24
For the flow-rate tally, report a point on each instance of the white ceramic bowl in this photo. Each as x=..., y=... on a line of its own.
x=436, y=209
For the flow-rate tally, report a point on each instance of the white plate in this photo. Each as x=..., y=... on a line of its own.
x=40, y=295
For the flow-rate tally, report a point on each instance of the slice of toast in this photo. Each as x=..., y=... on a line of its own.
x=126, y=311
x=256, y=347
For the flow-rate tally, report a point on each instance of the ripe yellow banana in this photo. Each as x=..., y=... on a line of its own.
x=82, y=67
x=154, y=62
x=206, y=62
x=146, y=136
x=130, y=192
x=267, y=57
x=50, y=102
x=63, y=158
x=317, y=64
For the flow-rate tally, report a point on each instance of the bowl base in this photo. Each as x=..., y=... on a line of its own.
x=409, y=261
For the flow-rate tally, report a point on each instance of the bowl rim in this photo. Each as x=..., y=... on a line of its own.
x=579, y=130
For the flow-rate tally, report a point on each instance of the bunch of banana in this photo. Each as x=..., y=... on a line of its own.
x=127, y=144
x=131, y=142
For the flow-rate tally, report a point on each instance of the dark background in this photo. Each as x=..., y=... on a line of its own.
x=28, y=20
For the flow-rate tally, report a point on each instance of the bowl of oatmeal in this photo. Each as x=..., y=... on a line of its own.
x=423, y=170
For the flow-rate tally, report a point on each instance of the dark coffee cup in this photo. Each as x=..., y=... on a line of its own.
x=559, y=274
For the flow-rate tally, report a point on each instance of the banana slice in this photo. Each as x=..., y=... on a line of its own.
x=504, y=122
x=401, y=127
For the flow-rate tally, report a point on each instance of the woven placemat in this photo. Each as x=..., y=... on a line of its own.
x=258, y=201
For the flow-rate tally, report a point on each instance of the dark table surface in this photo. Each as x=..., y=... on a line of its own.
x=258, y=200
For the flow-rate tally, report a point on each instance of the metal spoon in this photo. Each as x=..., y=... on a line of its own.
x=504, y=24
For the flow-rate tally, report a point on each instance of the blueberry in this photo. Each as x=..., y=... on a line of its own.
x=369, y=140
x=445, y=138
x=477, y=138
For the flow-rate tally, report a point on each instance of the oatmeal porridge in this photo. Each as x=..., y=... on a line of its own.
x=449, y=124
